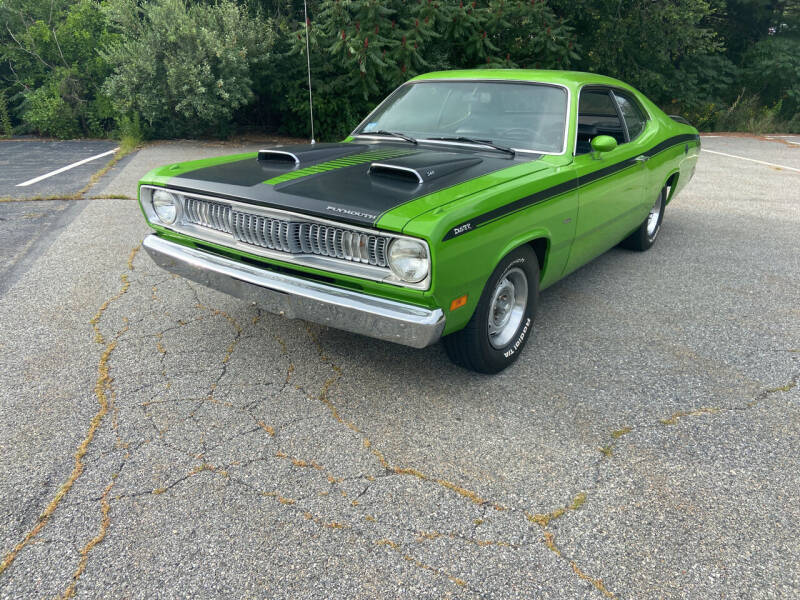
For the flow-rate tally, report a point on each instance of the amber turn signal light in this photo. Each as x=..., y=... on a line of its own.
x=458, y=302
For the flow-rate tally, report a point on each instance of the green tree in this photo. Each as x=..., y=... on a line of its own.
x=5, y=120
x=184, y=67
x=746, y=22
x=362, y=49
x=773, y=72
x=643, y=42
x=53, y=70
x=194, y=67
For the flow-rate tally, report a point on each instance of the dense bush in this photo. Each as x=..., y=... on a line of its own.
x=702, y=89
x=5, y=120
x=54, y=68
x=166, y=68
x=748, y=113
x=645, y=43
x=773, y=72
x=185, y=68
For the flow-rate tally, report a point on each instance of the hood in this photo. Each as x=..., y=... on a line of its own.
x=352, y=182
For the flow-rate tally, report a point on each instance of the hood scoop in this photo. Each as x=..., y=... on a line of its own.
x=423, y=167
x=300, y=154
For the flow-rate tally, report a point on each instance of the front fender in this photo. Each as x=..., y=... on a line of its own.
x=463, y=263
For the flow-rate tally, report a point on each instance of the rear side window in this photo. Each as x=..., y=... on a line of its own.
x=633, y=115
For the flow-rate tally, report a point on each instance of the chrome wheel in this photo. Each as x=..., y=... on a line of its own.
x=507, y=307
x=654, y=218
x=502, y=322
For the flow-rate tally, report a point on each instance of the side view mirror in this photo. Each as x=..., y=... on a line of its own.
x=603, y=143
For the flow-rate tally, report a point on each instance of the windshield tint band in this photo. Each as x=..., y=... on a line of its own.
x=562, y=188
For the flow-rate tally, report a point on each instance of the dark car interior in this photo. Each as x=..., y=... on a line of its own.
x=597, y=115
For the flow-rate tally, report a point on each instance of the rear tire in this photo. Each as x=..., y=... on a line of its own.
x=645, y=235
x=503, y=319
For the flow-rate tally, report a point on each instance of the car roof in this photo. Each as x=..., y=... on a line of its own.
x=571, y=79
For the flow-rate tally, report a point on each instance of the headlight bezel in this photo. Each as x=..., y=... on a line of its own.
x=167, y=200
x=409, y=249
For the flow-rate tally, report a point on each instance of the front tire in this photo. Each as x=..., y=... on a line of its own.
x=503, y=319
x=645, y=235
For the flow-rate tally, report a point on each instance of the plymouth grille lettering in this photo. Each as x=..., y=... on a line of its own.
x=353, y=213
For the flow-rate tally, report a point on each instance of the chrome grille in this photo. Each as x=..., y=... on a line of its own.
x=284, y=235
x=263, y=231
x=208, y=214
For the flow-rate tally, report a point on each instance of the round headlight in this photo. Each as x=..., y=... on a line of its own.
x=165, y=207
x=408, y=259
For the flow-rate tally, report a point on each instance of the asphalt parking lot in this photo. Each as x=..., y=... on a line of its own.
x=159, y=439
x=28, y=167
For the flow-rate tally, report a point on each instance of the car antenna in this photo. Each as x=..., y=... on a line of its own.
x=308, y=62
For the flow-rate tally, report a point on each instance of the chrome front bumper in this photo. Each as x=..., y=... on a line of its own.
x=298, y=298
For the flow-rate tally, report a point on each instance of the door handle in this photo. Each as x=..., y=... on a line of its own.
x=642, y=158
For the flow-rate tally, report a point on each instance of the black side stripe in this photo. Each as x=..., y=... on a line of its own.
x=502, y=211
x=673, y=141
x=562, y=188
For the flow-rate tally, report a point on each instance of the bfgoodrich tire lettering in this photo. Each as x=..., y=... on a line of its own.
x=486, y=344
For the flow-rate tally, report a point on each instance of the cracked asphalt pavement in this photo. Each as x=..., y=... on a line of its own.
x=159, y=439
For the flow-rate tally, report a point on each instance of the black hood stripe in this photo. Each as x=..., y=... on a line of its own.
x=339, y=163
x=562, y=188
x=344, y=188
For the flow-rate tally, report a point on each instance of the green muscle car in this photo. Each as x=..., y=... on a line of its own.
x=442, y=215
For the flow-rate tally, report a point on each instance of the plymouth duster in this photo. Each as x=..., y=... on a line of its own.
x=443, y=214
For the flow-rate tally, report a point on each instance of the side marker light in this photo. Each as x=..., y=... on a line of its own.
x=458, y=302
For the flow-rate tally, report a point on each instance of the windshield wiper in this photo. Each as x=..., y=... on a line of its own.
x=407, y=138
x=467, y=140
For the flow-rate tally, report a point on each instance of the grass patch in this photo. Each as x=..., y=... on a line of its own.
x=578, y=501
x=128, y=144
x=673, y=420
x=620, y=432
x=783, y=388
x=543, y=520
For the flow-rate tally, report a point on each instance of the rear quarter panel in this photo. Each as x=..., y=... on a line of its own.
x=680, y=159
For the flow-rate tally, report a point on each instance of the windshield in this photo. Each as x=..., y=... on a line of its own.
x=523, y=116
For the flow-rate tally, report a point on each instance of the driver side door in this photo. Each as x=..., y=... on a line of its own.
x=611, y=185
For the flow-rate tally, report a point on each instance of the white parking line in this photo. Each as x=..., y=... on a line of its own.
x=784, y=138
x=761, y=162
x=67, y=168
